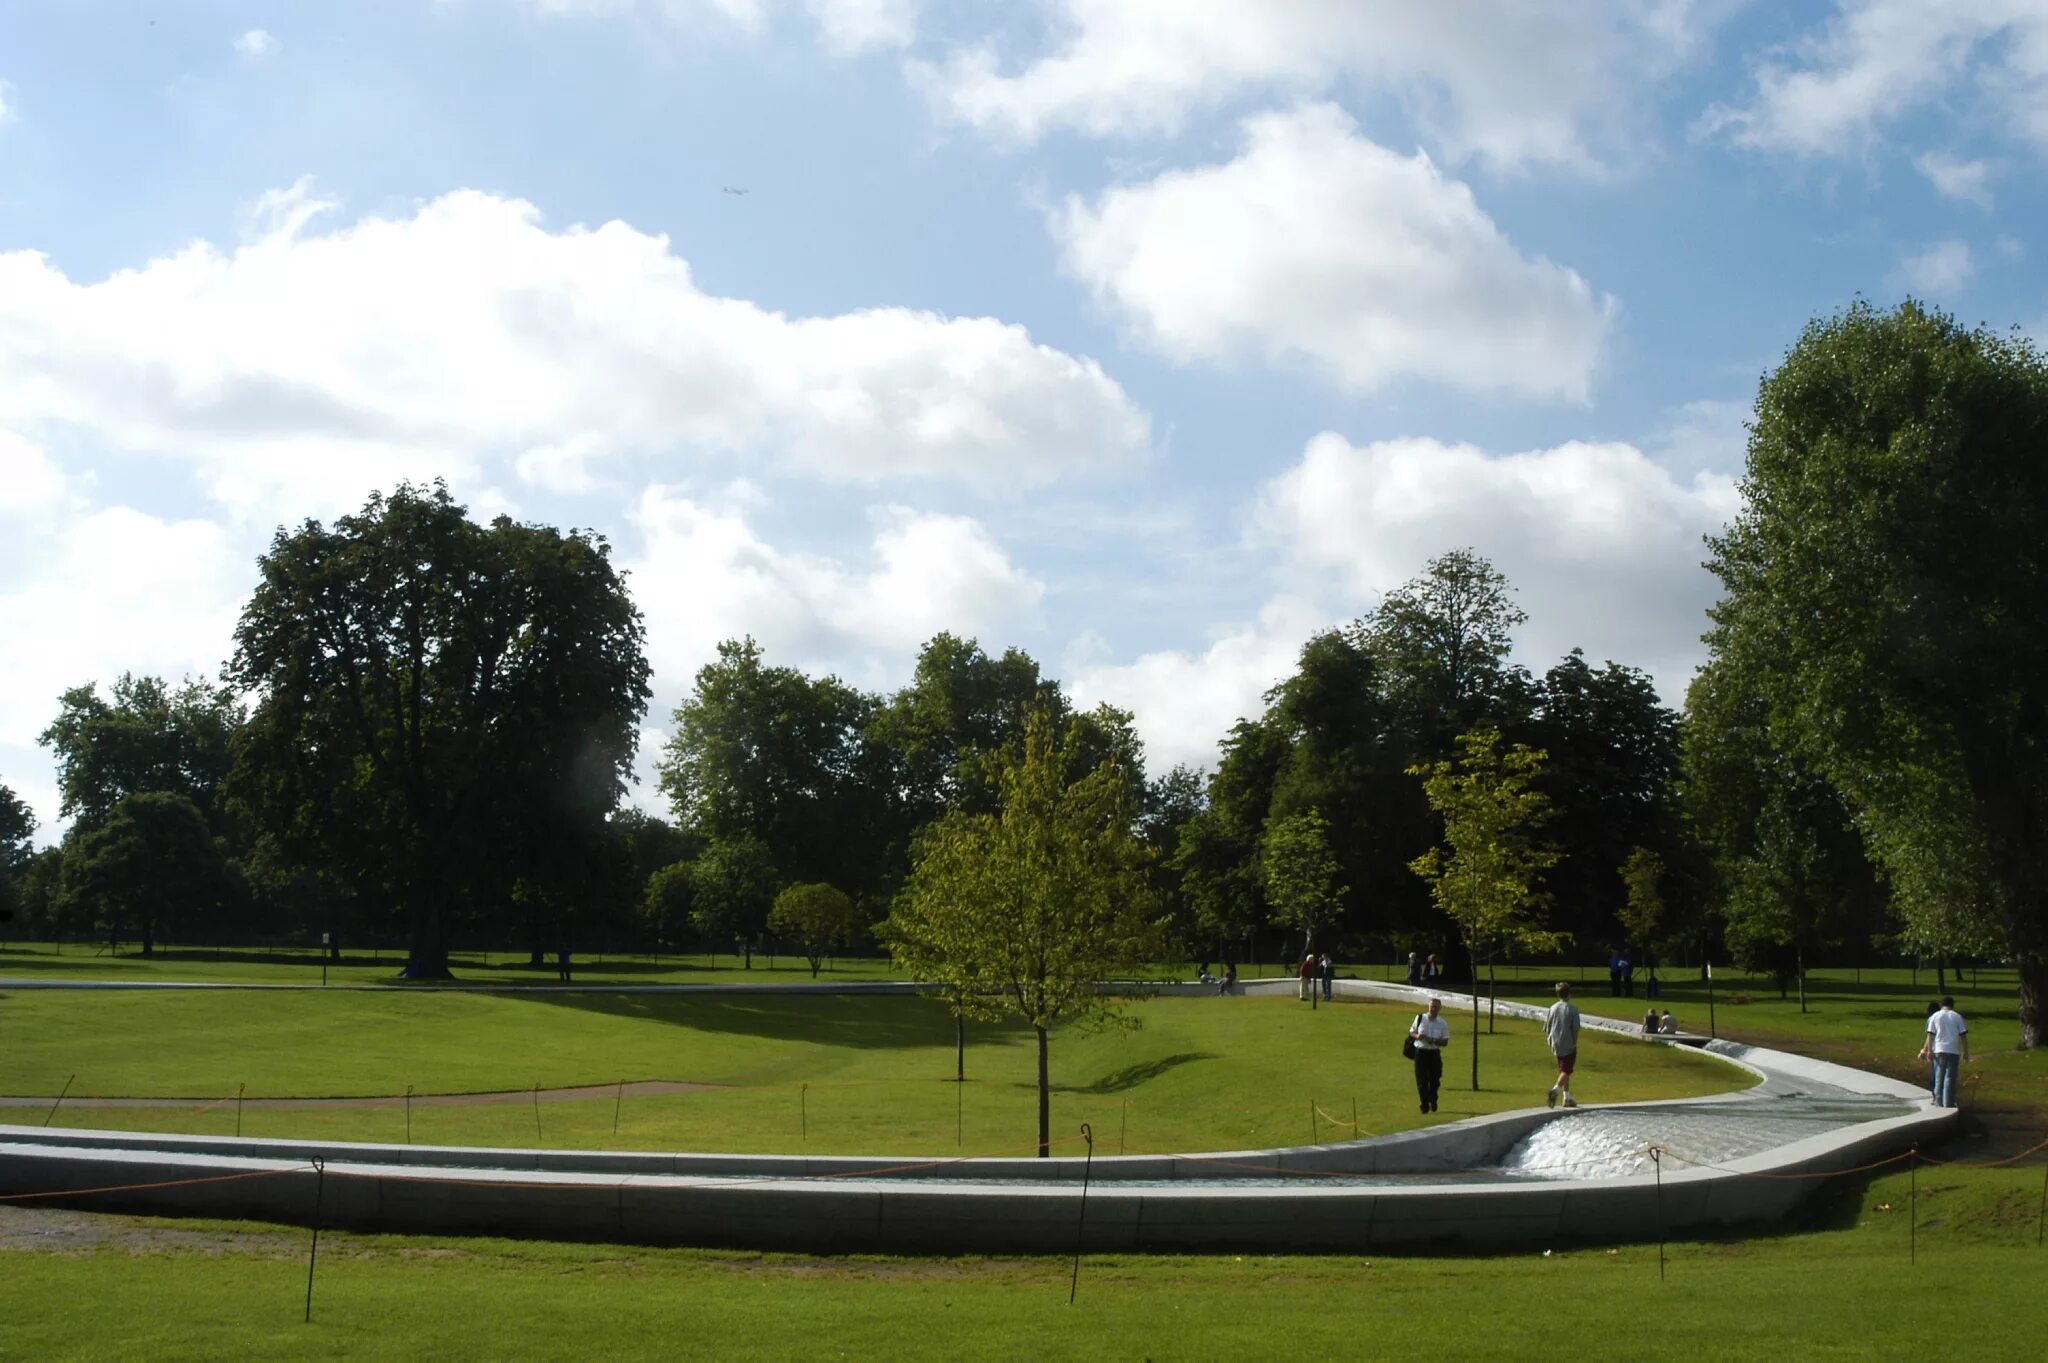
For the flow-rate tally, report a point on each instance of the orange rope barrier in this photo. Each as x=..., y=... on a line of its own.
x=167, y=1183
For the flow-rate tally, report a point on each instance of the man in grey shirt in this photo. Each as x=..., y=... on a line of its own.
x=1561, y=1030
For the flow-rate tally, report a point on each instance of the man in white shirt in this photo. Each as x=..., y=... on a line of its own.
x=1431, y=1034
x=1948, y=1041
x=1561, y=1030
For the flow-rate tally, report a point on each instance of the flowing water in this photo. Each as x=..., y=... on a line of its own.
x=1612, y=1142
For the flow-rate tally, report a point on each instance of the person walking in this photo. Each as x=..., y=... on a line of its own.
x=1308, y=976
x=1431, y=1033
x=1948, y=1045
x=1414, y=970
x=1329, y=976
x=1561, y=1030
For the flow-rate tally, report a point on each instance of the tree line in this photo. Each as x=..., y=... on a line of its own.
x=428, y=724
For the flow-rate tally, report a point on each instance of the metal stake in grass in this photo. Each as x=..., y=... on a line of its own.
x=408, y=1114
x=239, y=1088
x=536, y=1111
x=1913, y=1205
x=2042, y=1223
x=1657, y=1158
x=60, y=1100
x=319, y=1196
x=1124, y=1126
x=1081, y=1219
x=616, y=1103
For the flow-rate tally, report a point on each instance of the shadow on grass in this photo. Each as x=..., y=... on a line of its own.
x=865, y=1021
x=1130, y=1076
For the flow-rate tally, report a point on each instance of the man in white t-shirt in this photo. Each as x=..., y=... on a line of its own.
x=1431, y=1032
x=1948, y=1042
x=1561, y=1030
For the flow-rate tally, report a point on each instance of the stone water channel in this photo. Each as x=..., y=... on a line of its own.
x=1533, y=1177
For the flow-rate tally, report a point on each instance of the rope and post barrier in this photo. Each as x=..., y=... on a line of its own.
x=1081, y=1217
x=313, y=1256
x=60, y=1100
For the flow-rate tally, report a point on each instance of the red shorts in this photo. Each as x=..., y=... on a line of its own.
x=1566, y=1061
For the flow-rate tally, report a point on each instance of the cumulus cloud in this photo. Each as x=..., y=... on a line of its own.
x=1965, y=181
x=30, y=481
x=300, y=368
x=1184, y=701
x=1875, y=61
x=256, y=44
x=701, y=573
x=847, y=26
x=1504, y=80
x=1602, y=544
x=1941, y=271
x=1316, y=243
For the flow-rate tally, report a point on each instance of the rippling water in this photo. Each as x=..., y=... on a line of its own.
x=1609, y=1142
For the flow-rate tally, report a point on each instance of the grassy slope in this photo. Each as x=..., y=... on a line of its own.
x=854, y=1074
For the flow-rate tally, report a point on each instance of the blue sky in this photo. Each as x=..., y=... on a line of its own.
x=1147, y=335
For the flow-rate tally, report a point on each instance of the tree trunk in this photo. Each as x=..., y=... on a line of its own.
x=1800, y=961
x=2033, y=969
x=1475, y=1018
x=749, y=946
x=959, y=1048
x=427, y=954
x=1044, y=1097
x=1940, y=975
x=1492, y=997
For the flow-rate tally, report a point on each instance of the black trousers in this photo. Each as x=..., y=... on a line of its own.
x=1429, y=1074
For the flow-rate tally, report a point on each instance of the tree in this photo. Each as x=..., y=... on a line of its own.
x=151, y=868
x=1642, y=904
x=1024, y=911
x=669, y=903
x=17, y=850
x=1301, y=874
x=1484, y=876
x=732, y=887
x=1218, y=852
x=770, y=754
x=444, y=710
x=960, y=705
x=817, y=918
x=148, y=736
x=1445, y=639
x=1883, y=597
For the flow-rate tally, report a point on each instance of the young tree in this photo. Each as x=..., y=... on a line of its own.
x=817, y=917
x=732, y=887
x=1301, y=874
x=1642, y=903
x=1484, y=875
x=1883, y=597
x=669, y=903
x=1025, y=911
x=442, y=708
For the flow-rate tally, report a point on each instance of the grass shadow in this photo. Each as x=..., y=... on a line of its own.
x=861, y=1021
x=1130, y=1076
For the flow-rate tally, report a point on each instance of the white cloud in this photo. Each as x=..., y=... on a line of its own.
x=256, y=44
x=1506, y=80
x=1941, y=271
x=702, y=574
x=112, y=591
x=1317, y=243
x=1966, y=181
x=1602, y=544
x=30, y=481
x=1183, y=702
x=1875, y=61
x=6, y=108
x=296, y=371
x=847, y=26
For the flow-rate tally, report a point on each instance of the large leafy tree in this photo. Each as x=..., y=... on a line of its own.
x=146, y=735
x=961, y=705
x=1883, y=598
x=17, y=850
x=150, y=868
x=1486, y=876
x=769, y=754
x=1023, y=911
x=1444, y=640
x=444, y=710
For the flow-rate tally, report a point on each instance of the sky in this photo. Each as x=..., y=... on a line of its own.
x=1150, y=336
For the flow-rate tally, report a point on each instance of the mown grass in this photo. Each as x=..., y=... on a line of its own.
x=852, y=1074
x=1849, y=1289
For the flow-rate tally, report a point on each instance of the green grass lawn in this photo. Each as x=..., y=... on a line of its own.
x=1841, y=1286
x=853, y=1074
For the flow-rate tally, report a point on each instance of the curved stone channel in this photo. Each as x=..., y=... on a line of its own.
x=1532, y=1177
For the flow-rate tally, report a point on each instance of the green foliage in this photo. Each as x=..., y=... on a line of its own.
x=1642, y=907
x=17, y=851
x=149, y=869
x=1883, y=606
x=732, y=887
x=1301, y=874
x=818, y=918
x=669, y=902
x=1444, y=640
x=1021, y=912
x=444, y=710
x=960, y=707
x=148, y=737
x=1486, y=874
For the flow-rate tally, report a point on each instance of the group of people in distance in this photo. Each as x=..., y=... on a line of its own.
x=1317, y=971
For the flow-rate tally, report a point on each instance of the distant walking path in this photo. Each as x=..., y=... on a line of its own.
x=639, y=1088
